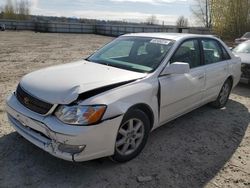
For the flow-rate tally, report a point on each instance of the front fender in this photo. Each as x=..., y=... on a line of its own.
x=120, y=99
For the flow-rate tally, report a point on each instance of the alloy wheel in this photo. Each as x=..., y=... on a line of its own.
x=130, y=136
x=224, y=93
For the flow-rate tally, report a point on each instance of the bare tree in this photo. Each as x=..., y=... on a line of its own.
x=1, y=12
x=151, y=20
x=203, y=12
x=182, y=22
x=9, y=10
x=23, y=9
x=20, y=9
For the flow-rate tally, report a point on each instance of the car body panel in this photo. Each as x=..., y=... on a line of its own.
x=48, y=133
x=245, y=57
x=186, y=92
x=62, y=84
x=215, y=77
x=245, y=67
x=120, y=99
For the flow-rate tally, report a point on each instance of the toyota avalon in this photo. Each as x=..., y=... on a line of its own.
x=108, y=103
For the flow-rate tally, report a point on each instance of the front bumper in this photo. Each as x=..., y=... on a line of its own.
x=48, y=133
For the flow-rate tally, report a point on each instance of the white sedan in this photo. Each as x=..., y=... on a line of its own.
x=107, y=104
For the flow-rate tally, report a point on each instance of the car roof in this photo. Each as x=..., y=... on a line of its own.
x=170, y=36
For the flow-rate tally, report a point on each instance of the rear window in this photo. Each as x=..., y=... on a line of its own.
x=214, y=51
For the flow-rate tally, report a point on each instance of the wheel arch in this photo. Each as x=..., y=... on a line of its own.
x=231, y=79
x=146, y=109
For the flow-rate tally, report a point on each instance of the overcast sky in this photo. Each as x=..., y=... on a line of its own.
x=128, y=10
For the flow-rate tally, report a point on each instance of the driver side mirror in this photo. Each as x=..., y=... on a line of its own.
x=176, y=68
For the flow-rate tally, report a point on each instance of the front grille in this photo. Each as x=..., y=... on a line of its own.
x=31, y=102
x=245, y=69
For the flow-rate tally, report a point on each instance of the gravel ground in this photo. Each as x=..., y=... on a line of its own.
x=205, y=148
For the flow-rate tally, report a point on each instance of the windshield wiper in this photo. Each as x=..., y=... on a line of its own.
x=126, y=67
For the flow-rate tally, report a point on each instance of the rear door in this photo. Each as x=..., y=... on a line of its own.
x=216, y=67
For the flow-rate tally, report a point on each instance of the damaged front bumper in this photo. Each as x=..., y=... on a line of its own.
x=72, y=143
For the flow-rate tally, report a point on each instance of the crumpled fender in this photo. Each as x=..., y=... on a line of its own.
x=120, y=99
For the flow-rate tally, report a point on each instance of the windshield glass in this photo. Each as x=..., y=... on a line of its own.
x=246, y=35
x=138, y=54
x=242, y=48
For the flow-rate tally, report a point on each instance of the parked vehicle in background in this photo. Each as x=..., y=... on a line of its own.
x=243, y=51
x=107, y=104
x=2, y=27
x=245, y=37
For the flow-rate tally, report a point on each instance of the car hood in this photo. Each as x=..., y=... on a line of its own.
x=62, y=84
x=245, y=57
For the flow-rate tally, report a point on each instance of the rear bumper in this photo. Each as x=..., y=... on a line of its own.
x=48, y=133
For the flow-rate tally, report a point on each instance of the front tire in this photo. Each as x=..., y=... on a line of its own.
x=223, y=96
x=132, y=136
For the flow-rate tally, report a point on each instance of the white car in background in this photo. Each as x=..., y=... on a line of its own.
x=107, y=104
x=244, y=38
x=243, y=51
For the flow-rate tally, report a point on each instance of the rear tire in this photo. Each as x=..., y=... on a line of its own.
x=223, y=96
x=132, y=136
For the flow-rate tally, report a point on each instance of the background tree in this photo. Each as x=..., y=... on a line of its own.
x=1, y=12
x=152, y=20
x=227, y=18
x=20, y=9
x=182, y=22
x=231, y=18
x=9, y=10
x=23, y=9
x=202, y=11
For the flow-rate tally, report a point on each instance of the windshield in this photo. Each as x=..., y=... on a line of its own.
x=138, y=54
x=242, y=48
x=246, y=35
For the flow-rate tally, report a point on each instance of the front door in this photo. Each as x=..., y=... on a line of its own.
x=182, y=92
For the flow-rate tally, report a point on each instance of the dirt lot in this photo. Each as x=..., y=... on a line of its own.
x=205, y=148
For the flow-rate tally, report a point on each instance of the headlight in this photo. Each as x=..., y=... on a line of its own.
x=80, y=115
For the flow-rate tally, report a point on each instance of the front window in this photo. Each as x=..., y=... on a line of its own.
x=242, y=48
x=188, y=52
x=140, y=54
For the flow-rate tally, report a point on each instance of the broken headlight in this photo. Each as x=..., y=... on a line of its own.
x=80, y=115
